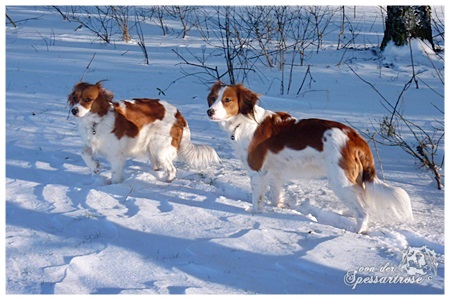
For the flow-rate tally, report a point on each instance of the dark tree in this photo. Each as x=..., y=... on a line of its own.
x=407, y=22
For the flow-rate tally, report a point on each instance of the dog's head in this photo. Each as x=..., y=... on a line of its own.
x=86, y=97
x=227, y=101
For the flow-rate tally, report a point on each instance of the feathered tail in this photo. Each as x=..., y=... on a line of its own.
x=196, y=156
x=387, y=203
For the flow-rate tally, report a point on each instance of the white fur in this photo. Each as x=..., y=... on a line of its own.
x=387, y=203
x=153, y=141
x=378, y=198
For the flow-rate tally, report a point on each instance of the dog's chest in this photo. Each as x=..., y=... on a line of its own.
x=88, y=132
x=241, y=138
x=95, y=130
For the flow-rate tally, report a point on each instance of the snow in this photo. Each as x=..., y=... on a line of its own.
x=70, y=232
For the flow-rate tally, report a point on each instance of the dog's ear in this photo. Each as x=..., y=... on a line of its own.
x=73, y=97
x=99, y=84
x=247, y=101
x=108, y=95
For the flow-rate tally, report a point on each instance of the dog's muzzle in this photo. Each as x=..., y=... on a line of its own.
x=210, y=112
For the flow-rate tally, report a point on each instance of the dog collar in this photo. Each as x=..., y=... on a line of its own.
x=93, y=128
x=233, y=135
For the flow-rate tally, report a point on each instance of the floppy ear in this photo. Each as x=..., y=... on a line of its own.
x=247, y=101
x=104, y=92
x=107, y=94
x=71, y=98
x=99, y=84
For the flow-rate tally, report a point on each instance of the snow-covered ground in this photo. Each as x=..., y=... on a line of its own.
x=68, y=231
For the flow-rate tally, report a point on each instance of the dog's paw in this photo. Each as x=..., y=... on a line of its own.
x=116, y=180
x=253, y=211
x=362, y=228
x=98, y=168
x=169, y=179
x=283, y=205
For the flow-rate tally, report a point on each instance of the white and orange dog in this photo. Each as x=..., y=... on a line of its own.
x=131, y=128
x=275, y=147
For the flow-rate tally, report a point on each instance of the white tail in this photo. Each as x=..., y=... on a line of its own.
x=196, y=156
x=387, y=203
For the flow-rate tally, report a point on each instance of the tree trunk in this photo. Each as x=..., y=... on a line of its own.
x=407, y=22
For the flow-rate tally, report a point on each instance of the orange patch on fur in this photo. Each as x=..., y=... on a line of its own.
x=136, y=115
x=176, y=132
x=357, y=159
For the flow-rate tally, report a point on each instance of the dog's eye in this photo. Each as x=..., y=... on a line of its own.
x=87, y=100
x=226, y=100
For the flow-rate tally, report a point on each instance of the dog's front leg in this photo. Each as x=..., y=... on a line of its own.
x=90, y=161
x=258, y=181
x=117, y=165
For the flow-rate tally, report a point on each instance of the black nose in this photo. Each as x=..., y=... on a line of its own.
x=210, y=112
x=74, y=111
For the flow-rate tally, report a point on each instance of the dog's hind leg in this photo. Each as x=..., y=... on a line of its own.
x=169, y=169
x=353, y=196
x=276, y=191
x=155, y=163
x=90, y=161
x=165, y=158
